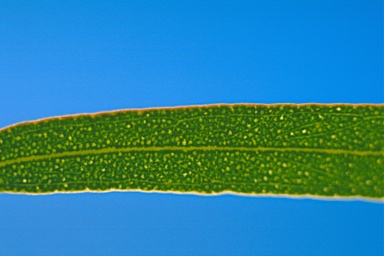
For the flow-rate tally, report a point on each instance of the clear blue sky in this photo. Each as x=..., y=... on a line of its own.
x=87, y=56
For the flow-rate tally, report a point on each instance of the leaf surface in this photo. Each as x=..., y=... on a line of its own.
x=295, y=150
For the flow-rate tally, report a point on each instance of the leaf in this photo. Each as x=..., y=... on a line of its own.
x=295, y=150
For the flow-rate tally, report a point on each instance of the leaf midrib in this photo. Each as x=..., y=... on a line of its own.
x=191, y=148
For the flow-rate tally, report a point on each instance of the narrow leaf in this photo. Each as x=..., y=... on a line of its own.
x=296, y=150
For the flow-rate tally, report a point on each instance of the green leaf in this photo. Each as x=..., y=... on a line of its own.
x=295, y=150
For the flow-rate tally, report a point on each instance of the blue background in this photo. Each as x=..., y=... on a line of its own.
x=70, y=57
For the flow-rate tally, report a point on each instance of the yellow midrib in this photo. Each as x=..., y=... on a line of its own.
x=192, y=148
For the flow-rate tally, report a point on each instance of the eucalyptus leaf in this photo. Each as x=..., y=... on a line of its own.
x=328, y=151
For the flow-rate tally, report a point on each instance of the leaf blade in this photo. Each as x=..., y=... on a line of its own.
x=316, y=150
